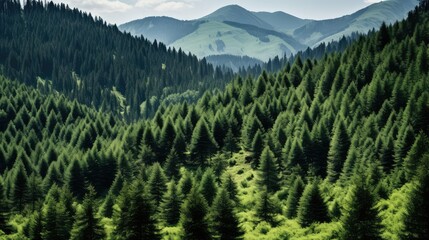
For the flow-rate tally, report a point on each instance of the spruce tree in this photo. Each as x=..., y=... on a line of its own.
x=208, y=186
x=194, y=217
x=203, y=144
x=225, y=222
x=87, y=225
x=257, y=147
x=338, y=149
x=266, y=208
x=230, y=186
x=268, y=171
x=20, y=187
x=294, y=195
x=4, y=209
x=360, y=217
x=75, y=179
x=416, y=219
x=134, y=217
x=157, y=183
x=312, y=208
x=36, y=226
x=170, y=206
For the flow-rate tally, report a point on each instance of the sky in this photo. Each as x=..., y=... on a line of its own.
x=121, y=11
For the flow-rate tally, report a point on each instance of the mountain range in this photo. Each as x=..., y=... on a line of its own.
x=235, y=31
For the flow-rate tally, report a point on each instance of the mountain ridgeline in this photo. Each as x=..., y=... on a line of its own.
x=233, y=31
x=86, y=59
x=335, y=148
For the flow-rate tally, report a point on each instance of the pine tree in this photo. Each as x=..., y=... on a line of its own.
x=257, y=147
x=225, y=222
x=411, y=161
x=230, y=143
x=20, y=187
x=4, y=209
x=416, y=219
x=134, y=217
x=170, y=206
x=266, y=208
x=294, y=195
x=185, y=184
x=75, y=179
x=157, y=183
x=193, y=218
x=360, y=219
x=208, y=186
x=87, y=225
x=230, y=186
x=36, y=226
x=312, y=207
x=268, y=171
x=338, y=149
x=203, y=144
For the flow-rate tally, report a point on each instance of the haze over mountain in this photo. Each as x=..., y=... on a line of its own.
x=233, y=30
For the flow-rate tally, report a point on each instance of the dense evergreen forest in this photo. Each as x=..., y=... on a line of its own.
x=335, y=148
x=86, y=59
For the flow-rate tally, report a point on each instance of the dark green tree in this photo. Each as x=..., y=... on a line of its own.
x=312, y=208
x=360, y=217
x=87, y=225
x=157, y=183
x=416, y=219
x=19, y=193
x=266, y=208
x=338, y=149
x=203, y=144
x=225, y=222
x=208, y=186
x=4, y=209
x=295, y=192
x=268, y=171
x=170, y=206
x=194, y=217
x=75, y=179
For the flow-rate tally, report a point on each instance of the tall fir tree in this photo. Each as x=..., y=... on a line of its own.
x=312, y=208
x=87, y=225
x=194, y=217
x=208, y=186
x=203, y=144
x=360, y=218
x=338, y=149
x=294, y=195
x=268, y=171
x=157, y=183
x=170, y=206
x=224, y=219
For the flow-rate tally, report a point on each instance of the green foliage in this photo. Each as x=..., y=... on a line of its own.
x=312, y=207
x=225, y=222
x=360, y=218
x=87, y=225
x=268, y=171
x=170, y=206
x=337, y=154
x=134, y=215
x=203, y=144
x=194, y=217
x=157, y=183
x=208, y=186
x=294, y=195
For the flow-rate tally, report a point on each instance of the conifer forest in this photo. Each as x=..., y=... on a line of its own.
x=105, y=135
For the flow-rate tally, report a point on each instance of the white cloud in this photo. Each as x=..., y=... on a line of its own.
x=373, y=1
x=148, y=3
x=100, y=6
x=172, y=6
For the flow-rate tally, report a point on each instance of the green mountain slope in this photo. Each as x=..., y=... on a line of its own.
x=163, y=29
x=362, y=21
x=282, y=22
x=217, y=38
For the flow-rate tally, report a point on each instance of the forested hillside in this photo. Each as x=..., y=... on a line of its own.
x=88, y=60
x=335, y=148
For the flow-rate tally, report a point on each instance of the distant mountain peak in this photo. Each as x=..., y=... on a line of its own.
x=238, y=14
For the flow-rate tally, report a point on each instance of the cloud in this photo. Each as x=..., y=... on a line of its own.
x=148, y=3
x=173, y=6
x=100, y=5
x=372, y=1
